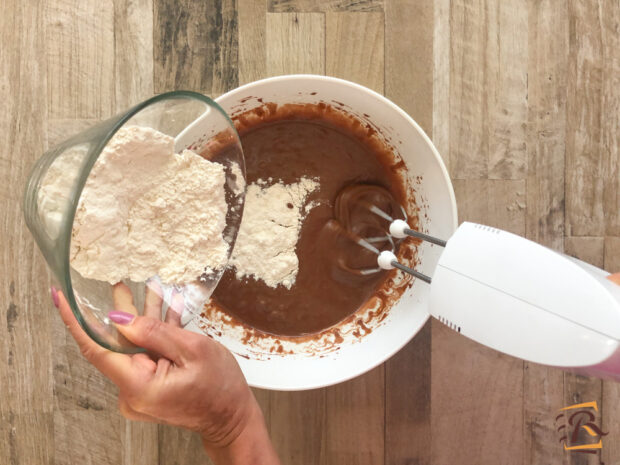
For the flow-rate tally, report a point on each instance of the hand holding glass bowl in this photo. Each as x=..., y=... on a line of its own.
x=186, y=379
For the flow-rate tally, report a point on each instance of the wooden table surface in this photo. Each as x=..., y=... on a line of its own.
x=522, y=99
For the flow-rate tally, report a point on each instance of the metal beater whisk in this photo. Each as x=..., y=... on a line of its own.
x=386, y=259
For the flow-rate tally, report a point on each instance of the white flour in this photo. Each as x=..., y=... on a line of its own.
x=55, y=193
x=147, y=211
x=236, y=179
x=267, y=239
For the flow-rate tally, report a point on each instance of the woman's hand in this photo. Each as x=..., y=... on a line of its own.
x=188, y=380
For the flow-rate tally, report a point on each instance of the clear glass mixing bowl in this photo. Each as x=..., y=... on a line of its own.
x=196, y=122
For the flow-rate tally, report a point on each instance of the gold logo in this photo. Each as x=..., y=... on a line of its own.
x=578, y=429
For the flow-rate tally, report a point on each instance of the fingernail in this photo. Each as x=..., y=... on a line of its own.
x=121, y=318
x=54, y=296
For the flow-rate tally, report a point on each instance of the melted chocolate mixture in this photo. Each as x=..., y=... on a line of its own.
x=324, y=292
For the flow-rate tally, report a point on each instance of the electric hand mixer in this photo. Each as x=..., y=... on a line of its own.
x=517, y=297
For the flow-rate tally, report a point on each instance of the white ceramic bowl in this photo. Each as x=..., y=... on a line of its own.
x=434, y=194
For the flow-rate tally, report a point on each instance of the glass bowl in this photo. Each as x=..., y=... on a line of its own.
x=194, y=121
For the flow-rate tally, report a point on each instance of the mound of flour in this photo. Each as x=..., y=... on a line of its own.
x=147, y=211
x=267, y=239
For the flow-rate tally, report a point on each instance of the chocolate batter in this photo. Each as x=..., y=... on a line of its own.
x=339, y=154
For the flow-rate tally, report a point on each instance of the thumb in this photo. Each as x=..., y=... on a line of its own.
x=153, y=334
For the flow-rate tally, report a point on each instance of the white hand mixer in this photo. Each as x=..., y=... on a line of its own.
x=518, y=297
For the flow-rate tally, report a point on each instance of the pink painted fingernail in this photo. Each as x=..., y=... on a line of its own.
x=54, y=296
x=122, y=318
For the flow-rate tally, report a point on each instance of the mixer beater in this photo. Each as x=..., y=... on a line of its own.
x=399, y=229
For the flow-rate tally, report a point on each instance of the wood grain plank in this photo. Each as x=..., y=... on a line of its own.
x=84, y=435
x=488, y=89
x=27, y=439
x=26, y=310
x=499, y=203
x=408, y=402
x=441, y=79
x=263, y=397
x=585, y=152
x=506, y=62
x=180, y=447
x=588, y=249
x=133, y=46
x=25, y=317
x=354, y=48
x=547, y=64
x=290, y=6
x=295, y=43
x=298, y=426
x=409, y=58
x=79, y=44
x=612, y=254
x=355, y=414
x=140, y=443
x=195, y=45
x=252, y=41
x=543, y=392
x=468, y=118
x=610, y=138
x=610, y=412
x=476, y=403
x=477, y=393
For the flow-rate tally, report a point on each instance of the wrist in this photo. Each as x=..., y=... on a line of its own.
x=252, y=444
